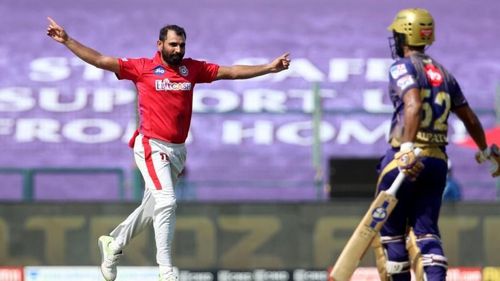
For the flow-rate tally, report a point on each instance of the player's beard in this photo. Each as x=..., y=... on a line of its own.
x=172, y=59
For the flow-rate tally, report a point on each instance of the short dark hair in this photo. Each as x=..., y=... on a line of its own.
x=177, y=29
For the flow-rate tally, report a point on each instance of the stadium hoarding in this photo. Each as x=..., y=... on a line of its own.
x=11, y=273
x=229, y=236
x=84, y=273
x=56, y=111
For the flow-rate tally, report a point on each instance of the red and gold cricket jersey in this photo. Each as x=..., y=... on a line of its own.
x=165, y=94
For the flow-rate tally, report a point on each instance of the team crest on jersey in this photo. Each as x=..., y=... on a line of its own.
x=398, y=70
x=183, y=70
x=159, y=70
x=434, y=75
x=405, y=81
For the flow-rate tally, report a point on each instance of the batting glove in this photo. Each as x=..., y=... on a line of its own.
x=492, y=155
x=408, y=162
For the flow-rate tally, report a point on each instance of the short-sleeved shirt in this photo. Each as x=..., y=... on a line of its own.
x=165, y=94
x=440, y=94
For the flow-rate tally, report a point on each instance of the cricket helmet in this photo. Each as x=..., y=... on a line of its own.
x=416, y=26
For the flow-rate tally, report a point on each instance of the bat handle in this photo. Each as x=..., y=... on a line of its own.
x=400, y=178
x=396, y=184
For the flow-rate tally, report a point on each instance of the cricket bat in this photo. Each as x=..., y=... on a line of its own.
x=362, y=237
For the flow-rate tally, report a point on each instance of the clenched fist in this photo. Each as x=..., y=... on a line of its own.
x=408, y=161
x=493, y=155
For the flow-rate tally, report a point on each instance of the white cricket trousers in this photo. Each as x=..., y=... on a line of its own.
x=160, y=164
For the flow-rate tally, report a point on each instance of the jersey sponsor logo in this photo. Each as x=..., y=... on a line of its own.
x=426, y=137
x=405, y=81
x=183, y=70
x=433, y=75
x=159, y=70
x=398, y=70
x=166, y=85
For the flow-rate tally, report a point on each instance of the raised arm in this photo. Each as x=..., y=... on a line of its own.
x=249, y=71
x=85, y=53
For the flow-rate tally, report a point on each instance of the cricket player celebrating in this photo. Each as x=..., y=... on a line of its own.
x=165, y=86
x=423, y=93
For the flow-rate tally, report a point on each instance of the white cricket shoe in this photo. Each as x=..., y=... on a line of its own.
x=170, y=276
x=109, y=258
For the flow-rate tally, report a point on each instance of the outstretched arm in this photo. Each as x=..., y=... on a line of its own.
x=85, y=53
x=249, y=71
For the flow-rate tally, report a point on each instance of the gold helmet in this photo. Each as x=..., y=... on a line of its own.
x=416, y=24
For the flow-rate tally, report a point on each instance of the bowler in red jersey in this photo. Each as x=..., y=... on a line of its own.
x=165, y=85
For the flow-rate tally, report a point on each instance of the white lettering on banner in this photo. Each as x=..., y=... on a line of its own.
x=105, y=99
x=51, y=69
x=20, y=99
x=376, y=69
x=300, y=133
x=210, y=100
x=354, y=129
x=373, y=101
x=255, y=100
x=92, y=130
x=258, y=100
x=79, y=130
x=16, y=99
x=42, y=129
x=50, y=100
x=340, y=69
x=6, y=126
x=233, y=132
x=307, y=97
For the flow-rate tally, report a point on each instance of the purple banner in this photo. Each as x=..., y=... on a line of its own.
x=249, y=139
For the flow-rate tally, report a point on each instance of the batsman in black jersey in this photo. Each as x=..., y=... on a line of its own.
x=424, y=94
